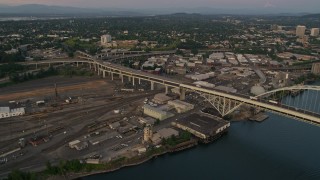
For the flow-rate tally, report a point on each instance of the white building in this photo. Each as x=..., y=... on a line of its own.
x=314, y=32
x=181, y=106
x=300, y=31
x=204, y=84
x=156, y=113
x=106, y=39
x=6, y=112
x=216, y=56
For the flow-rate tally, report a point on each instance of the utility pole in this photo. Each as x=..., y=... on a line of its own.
x=56, y=90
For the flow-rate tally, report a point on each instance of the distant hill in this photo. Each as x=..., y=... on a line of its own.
x=35, y=9
x=311, y=16
x=38, y=9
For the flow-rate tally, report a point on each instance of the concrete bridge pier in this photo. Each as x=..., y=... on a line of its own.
x=104, y=74
x=121, y=76
x=133, y=81
x=77, y=64
x=139, y=81
x=167, y=89
x=112, y=76
x=152, y=85
x=182, y=94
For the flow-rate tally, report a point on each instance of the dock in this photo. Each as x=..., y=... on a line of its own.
x=259, y=117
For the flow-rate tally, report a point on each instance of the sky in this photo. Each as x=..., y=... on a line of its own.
x=297, y=5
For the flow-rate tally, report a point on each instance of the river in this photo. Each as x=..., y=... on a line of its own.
x=278, y=148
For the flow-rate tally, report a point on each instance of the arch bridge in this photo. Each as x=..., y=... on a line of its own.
x=224, y=102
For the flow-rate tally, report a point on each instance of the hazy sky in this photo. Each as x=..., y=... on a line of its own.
x=300, y=5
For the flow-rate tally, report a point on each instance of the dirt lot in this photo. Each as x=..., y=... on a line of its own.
x=45, y=87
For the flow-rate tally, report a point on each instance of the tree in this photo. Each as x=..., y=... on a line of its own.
x=179, y=52
x=20, y=175
x=71, y=54
x=194, y=51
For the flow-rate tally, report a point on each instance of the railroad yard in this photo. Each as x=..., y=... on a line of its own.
x=60, y=110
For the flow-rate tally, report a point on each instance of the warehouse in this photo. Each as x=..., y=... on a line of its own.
x=181, y=106
x=164, y=133
x=147, y=120
x=161, y=98
x=205, y=127
x=6, y=112
x=156, y=112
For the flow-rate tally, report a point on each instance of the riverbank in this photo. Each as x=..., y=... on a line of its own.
x=259, y=117
x=140, y=160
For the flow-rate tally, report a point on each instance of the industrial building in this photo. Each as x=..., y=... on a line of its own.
x=226, y=89
x=147, y=120
x=6, y=112
x=80, y=146
x=161, y=98
x=164, y=133
x=156, y=113
x=181, y=106
x=203, y=126
x=93, y=161
x=204, y=84
x=199, y=77
x=73, y=143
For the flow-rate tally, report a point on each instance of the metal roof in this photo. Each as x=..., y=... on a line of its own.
x=4, y=110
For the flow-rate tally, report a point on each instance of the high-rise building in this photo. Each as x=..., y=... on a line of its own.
x=315, y=68
x=300, y=31
x=315, y=32
x=106, y=39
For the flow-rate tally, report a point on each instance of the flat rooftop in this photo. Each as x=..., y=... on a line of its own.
x=202, y=123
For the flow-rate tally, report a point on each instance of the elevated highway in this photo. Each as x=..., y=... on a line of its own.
x=224, y=102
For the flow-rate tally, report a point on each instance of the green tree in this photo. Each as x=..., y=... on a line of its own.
x=20, y=175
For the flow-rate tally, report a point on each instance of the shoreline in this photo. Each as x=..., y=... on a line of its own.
x=176, y=149
x=79, y=176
